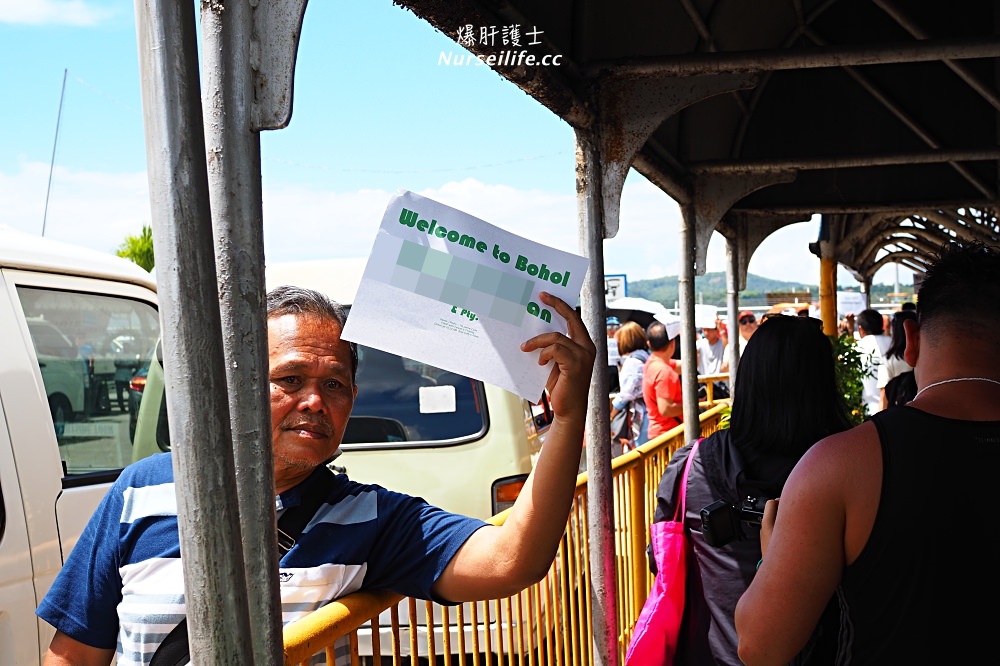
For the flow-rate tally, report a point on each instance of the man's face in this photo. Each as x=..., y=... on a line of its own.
x=748, y=324
x=312, y=393
x=711, y=334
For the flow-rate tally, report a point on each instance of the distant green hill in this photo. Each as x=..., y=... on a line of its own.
x=711, y=289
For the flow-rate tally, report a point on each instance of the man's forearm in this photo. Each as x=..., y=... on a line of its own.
x=66, y=651
x=500, y=561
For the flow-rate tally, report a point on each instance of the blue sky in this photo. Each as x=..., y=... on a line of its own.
x=373, y=112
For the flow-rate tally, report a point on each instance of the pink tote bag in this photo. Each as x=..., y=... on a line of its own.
x=654, y=638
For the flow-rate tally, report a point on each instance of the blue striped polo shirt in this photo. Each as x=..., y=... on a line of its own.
x=122, y=585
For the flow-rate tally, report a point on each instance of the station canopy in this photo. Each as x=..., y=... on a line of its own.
x=882, y=115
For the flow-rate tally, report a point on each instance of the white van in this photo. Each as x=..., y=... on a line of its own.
x=472, y=460
x=65, y=316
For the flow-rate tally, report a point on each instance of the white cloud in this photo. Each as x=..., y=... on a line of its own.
x=53, y=12
x=95, y=210
x=98, y=210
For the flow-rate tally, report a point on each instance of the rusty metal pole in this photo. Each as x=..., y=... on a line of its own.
x=235, y=186
x=214, y=581
x=686, y=298
x=733, y=308
x=600, y=515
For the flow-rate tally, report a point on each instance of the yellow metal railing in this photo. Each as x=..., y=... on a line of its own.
x=546, y=624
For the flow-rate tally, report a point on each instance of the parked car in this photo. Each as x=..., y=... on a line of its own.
x=64, y=371
x=135, y=387
x=128, y=360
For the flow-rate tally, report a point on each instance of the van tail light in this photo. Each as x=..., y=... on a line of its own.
x=138, y=383
x=506, y=490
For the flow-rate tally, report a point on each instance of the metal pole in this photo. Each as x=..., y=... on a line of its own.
x=828, y=294
x=55, y=142
x=600, y=520
x=685, y=293
x=205, y=477
x=733, y=308
x=234, y=180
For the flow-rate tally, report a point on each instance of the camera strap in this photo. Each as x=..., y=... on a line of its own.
x=679, y=512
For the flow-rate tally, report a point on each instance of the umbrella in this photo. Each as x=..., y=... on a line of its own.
x=640, y=310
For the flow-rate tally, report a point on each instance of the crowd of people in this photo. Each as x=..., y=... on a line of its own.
x=646, y=395
x=821, y=565
x=846, y=571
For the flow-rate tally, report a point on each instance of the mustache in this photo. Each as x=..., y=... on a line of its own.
x=320, y=426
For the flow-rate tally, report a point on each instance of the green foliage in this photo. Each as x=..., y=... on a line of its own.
x=851, y=367
x=139, y=249
x=725, y=417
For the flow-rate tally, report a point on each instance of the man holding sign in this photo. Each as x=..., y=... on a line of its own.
x=122, y=584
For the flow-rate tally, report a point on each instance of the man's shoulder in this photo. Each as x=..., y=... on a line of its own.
x=846, y=448
x=155, y=469
x=657, y=366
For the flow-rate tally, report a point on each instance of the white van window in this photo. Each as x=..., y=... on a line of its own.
x=90, y=350
x=402, y=400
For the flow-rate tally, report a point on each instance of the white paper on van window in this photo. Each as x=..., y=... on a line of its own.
x=446, y=288
x=437, y=399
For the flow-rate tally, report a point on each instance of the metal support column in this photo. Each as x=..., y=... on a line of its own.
x=733, y=308
x=714, y=195
x=600, y=524
x=828, y=294
x=216, y=603
x=235, y=188
x=686, y=299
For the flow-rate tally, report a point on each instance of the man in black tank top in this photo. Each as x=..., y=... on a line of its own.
x=896, y=518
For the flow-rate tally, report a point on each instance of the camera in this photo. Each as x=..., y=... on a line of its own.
x=720, y=520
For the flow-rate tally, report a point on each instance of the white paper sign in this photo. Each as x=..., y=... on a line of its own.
x=448, y=289
x=850, y=302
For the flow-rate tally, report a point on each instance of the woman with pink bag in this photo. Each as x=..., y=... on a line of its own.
x=785, y=400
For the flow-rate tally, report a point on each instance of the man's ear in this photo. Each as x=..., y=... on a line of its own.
x=912, y=351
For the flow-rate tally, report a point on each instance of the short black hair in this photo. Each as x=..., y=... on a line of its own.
x=962, y=285
x=299, y=300
x=656, y=336
x=871, y=321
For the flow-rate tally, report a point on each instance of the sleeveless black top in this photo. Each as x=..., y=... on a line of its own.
x=926, y=587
